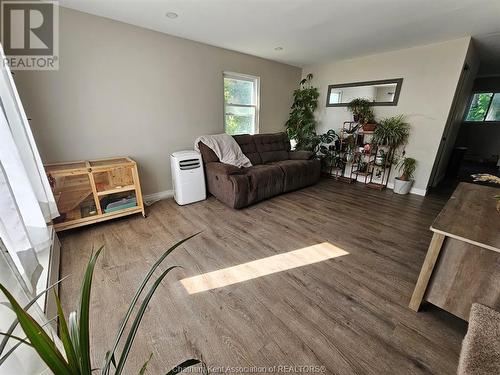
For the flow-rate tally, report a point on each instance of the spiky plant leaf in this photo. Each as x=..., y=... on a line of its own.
x=26, y=307
x=66, y=339
x=184, y=365
x=142, y=371
x=17, y=338
x=135, y=325
x=42, y=343
x=105, y=368
x=73, y=333
x=83, y=318
x=9, y=352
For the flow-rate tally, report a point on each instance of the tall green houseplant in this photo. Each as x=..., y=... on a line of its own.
x=301, y=126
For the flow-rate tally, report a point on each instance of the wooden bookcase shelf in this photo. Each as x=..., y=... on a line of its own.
x=92, y=191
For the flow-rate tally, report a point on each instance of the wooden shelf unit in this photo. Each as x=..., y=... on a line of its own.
x=83, y=189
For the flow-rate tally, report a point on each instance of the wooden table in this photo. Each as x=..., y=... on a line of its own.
x=462, y=264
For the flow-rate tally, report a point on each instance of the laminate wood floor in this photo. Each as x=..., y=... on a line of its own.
x=348, y=314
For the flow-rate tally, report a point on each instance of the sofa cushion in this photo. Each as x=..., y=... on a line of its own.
x=272, y=147
x=265, y=181
x=300, y=155
x=227, y=184
x=222, y=168
x=248, y=147
x=299, y=173
x=207, y=154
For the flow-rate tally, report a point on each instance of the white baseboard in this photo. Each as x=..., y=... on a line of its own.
x=158, y=196
x=422, y=192
x=150, y=198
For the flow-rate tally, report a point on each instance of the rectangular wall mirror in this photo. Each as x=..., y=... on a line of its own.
x=382, y=92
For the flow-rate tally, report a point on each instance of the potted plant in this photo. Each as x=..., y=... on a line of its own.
x=349, y=147
x=301, y=125
x=392, y=132
x=369, y=126
x=75, y=357
x=327, y=150
x=331, y=161
x=363, y=167
x=367, y=118
x=358, y=107
x=363, y=113
x=403, y=183
x=380, y=158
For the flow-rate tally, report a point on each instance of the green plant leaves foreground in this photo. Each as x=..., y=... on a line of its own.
x=74, y=332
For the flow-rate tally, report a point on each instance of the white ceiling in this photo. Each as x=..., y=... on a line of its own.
x=488, y=46
x=310, y=31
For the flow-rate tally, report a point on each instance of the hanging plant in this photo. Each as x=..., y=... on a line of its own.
x=301, y=126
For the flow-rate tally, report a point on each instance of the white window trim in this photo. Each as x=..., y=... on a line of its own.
x=247, y=77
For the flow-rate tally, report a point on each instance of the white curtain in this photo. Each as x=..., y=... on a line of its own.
x=26, y=200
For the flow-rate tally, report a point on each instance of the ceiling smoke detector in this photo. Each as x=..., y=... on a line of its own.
x=278, y=48
x=171, y=15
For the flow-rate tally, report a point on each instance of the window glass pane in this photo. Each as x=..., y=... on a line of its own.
x=479, y=106
x=240, y=120
x=494, y=112
x=238, y=91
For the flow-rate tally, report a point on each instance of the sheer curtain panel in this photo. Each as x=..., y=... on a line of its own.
x=26, y=200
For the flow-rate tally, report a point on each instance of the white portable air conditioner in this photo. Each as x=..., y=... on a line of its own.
x=187, y=177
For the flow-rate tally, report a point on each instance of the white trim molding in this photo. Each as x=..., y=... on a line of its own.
x=256, y=96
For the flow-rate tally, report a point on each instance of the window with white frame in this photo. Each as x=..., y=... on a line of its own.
x=241, y=103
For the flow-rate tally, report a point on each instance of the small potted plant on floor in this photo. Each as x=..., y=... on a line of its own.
x=403, y=183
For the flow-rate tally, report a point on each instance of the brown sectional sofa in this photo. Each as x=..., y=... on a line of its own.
x=275, y=170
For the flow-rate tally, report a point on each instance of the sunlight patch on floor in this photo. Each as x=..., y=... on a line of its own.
x=262, y=267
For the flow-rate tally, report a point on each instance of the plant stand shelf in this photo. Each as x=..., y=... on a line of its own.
x=92, y=191
x=354, y=163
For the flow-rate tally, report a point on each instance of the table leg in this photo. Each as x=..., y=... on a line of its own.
x=426, y=271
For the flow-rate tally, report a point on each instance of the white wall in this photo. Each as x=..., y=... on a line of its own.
x=125, y=90
x=457, y=113
x=430, y=75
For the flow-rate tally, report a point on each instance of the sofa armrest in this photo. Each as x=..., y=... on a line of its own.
x=300, y=155
x=223, y=168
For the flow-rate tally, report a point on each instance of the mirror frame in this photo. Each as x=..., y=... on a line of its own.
x=397, y=81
